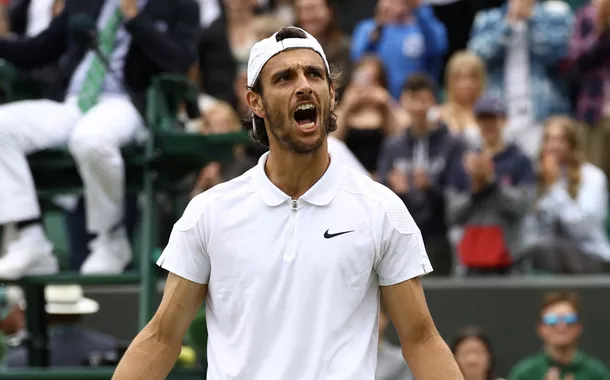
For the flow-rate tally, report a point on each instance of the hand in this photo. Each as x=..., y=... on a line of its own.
x=421, y=179
x=549, y=170
x=129, y=8
x=469, y=161
x=398, y=182
x=482, y=172
x=602, y=15
x=378, y=96
x=553, y=374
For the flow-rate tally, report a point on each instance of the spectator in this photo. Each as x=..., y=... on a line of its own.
x=473, y=353
x=406, y=36
x=522, y=44
x=218, y=119
x=488, y=195
x=97, y=118
x=565, y=231
x=366, y=115
x=70, y=344
x=317, y=17
x=464, y=82
x=589, y=52
x=390, y=361
x=560, y=328
x=224, y=49
x=416, y=166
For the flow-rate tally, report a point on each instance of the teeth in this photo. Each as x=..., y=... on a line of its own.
x=308, y=126
x=303, y=107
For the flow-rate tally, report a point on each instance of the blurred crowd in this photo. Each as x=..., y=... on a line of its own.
x=495, y=133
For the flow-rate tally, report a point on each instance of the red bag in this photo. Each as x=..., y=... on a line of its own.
x=483, y=247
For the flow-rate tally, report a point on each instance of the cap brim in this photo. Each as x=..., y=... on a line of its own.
x=84, y=306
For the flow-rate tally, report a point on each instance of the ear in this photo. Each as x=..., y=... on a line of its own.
x=255, y=102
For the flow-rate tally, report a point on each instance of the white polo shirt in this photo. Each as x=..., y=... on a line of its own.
x=293, y=285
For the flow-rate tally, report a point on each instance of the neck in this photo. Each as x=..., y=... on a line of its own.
x=239, y=17
x=494, y=149
x=421, y=129
x=477, y=376
x=294, y=174
x=463, y=105
x=563, y=355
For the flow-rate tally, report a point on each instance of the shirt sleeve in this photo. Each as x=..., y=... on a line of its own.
x=185, y=254
x=403, y=254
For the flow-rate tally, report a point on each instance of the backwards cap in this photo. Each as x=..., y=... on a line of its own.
x=266, y=49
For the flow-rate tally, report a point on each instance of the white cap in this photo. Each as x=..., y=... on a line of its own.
x=265, y=49
x=68, y=299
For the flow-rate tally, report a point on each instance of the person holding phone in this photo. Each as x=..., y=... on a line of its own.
x=406, y=36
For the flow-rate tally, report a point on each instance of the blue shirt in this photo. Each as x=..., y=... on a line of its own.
x=416, y=46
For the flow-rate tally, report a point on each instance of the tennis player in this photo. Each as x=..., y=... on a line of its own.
x=291, y=257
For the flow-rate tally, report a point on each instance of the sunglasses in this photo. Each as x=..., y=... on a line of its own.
x=555, y=319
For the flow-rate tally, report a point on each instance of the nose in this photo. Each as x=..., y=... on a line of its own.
x=303, y=85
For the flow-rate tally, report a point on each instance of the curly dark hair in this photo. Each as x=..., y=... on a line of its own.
x=256, y=125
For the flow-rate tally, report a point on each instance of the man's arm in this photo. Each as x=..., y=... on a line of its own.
x=422, y=346
x=175, y=51
x=154, y=351
x=43, y=49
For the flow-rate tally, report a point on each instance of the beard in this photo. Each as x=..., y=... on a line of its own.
x=284, y=136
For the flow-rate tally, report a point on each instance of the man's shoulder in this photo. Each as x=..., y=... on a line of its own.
x=226, y=191
x=596, y=366
x=380, y=200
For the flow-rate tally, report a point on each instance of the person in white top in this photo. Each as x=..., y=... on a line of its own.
x=292, y=256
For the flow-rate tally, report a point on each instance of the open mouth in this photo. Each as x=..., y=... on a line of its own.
x=306, y=115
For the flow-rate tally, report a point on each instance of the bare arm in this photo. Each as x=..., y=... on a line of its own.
x=153, y=353
x=422, y=346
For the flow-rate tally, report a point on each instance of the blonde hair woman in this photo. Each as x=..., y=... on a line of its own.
x=464, y=82
x=572, y=203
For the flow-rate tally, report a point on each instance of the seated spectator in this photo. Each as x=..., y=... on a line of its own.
x=366, y=114
x=390, y=361
x=317, y=17
x=416, y=166
x=489, y=194
x=522, y=44
x=218, y=119
x=565, y=231
x=12, y=317
x=464, y=83
x=589, y=48
x=93, y=114
x=406, y=36
x=70, y=344
x=473, y=353
x=337, y=148
x=224, y=49
x=560, y=328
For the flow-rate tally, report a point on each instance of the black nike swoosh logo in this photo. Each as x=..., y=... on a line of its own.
x=328, y=236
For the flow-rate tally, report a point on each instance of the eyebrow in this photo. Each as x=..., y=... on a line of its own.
x=290, y=70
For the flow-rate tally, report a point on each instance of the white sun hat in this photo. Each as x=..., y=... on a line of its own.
x=266, y=49
x=68, y=299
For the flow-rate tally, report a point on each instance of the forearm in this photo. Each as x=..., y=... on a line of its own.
x=148, y=358
x=431, y=359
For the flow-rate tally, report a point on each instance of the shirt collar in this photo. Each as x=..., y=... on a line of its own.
x=576, y=362
x=320, y=194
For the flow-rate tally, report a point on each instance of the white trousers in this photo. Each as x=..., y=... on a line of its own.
x=94, y=139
